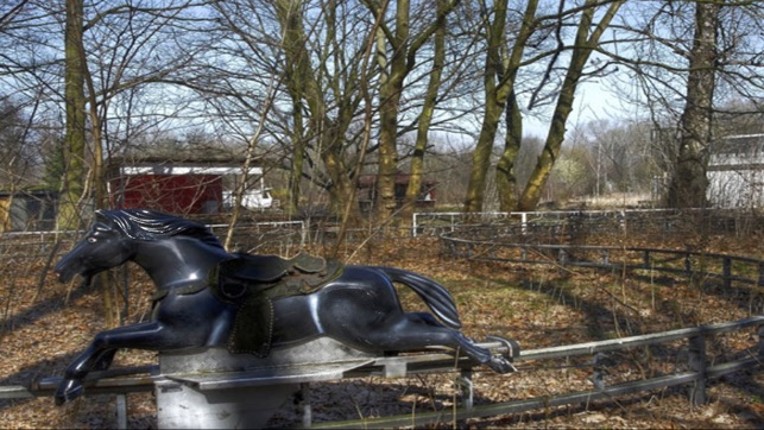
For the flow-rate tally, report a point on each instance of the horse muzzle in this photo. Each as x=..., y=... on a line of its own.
x=65, y=273
x=68, y=267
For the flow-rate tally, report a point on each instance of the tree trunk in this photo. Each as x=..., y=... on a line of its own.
x=583, y=48
x=296, y=67
x=297, y=165
x=391, y=86
x=404, y=47
x=73, y=186
x=481, y=156
x=497, y=89
x=76, y=182
x=506, y=182
x=689, y=183
x=303, y=84
x=425, y=119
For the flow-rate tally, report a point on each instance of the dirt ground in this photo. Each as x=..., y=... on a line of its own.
x=538, y=306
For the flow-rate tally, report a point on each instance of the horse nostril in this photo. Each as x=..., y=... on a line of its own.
x=60, y=266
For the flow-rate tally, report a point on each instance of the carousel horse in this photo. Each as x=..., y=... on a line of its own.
x=207, y=297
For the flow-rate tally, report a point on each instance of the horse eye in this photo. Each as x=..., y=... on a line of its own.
x=92, y=239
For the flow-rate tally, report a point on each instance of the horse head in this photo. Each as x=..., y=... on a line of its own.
x=104, y=246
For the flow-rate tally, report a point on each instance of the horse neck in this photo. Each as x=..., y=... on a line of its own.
x=178, y=261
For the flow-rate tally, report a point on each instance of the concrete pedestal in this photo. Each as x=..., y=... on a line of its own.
x=212, y=388
x=180, y=406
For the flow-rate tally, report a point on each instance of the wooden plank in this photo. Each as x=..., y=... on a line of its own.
x=276, y=375
x=389, y=367
x=15, y=392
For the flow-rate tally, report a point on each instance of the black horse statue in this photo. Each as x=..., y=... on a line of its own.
x=207, y=297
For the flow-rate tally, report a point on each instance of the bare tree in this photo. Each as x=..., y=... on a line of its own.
x=397, y=57
x=416, y=172
x=497, y=87
x=524, y=58
x=316, y=49
x=586, y=41
x=680, y=54
x=501, y=70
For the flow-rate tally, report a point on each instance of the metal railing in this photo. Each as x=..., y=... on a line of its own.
x=699, y=373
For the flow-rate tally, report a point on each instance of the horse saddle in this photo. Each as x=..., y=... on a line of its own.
x=275, y=276
x=252, y=282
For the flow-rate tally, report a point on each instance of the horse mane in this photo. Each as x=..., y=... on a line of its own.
x=146, y=224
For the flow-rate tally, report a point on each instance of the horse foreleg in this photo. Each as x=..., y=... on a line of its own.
x=99, y=354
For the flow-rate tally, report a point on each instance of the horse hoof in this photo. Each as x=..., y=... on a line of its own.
x=68, y=390
x=500, y=364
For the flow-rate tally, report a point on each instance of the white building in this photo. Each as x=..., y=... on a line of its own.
x=736, y=172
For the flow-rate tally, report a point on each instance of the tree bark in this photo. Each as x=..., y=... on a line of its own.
x=416, y=172
x=76, y=181
x=73, y=185
x=506, y=182
x=689, y=183
x=327, y=134
x=391, y=86
x=296, y=67
x=497, y=89
x=404, y=48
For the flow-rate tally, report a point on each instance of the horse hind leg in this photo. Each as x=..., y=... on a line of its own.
x=496, y=362
x=419, y=331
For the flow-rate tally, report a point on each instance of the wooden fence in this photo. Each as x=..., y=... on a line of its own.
x=729, y=269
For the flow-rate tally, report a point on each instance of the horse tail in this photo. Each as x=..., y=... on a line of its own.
x=438, y=299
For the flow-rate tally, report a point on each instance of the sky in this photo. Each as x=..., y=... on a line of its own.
x=593, y=101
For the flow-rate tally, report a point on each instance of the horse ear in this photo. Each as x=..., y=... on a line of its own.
x=101, y=215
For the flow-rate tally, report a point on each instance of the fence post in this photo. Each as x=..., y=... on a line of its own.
x=466, y=388
x=121, y=411
x=622, y=220
x=697, y=363
x=307, y=410
x=562, y=256
x=727, y=271
x=598, y=375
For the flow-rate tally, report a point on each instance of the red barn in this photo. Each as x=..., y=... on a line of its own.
x=179, y=188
